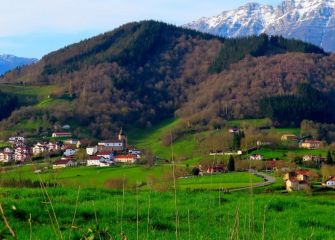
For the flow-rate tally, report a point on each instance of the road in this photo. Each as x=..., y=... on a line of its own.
x=267, y=181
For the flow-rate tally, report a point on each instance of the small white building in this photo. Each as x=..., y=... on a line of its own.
x=98, y=161
x=91, y=150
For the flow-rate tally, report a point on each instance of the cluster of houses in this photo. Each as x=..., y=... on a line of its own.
x=299, y=180
x=105, y=153
x=303, y=142
x=18, y=151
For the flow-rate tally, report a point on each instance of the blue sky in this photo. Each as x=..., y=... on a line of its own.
x=36, y=27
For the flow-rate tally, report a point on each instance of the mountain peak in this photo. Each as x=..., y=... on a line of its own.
x=9, y=62
x=312, y=21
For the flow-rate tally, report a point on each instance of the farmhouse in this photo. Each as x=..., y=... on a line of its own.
x=310, y=144
x=297, y=180
x=125, y=158
x=63, y=163
x=289, y=137
x=330, y=182
x=61, y=134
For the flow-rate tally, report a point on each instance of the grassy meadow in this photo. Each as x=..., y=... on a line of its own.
x=152, y=214
x=160, y=176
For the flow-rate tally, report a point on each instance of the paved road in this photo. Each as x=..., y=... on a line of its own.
x=267, y=181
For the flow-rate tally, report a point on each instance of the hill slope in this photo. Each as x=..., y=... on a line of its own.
x=308, y=20
x=143, y=72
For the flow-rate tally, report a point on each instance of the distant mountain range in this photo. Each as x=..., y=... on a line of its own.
x=9, y=62
x=311, y=21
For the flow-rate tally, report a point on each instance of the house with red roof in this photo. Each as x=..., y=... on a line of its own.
x=98, y=161
x=63, y=163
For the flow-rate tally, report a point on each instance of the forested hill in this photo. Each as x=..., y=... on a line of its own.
x=143, y=72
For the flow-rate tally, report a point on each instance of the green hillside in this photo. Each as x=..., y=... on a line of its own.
x=143, y=73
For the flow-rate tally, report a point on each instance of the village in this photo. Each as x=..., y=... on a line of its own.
x=67, y=151
x=65, y=148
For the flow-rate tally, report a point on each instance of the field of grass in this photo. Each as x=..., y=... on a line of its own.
x=184, y=148
x=226, y=181
x=248, y=122
x=132, y=176
x=41, y=92
x=152, y=215
x=282, y=154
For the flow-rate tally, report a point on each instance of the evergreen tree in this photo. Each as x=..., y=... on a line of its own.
x=231, y=164
x=329, y=159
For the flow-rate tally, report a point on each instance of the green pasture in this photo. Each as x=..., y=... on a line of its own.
x=73, y=213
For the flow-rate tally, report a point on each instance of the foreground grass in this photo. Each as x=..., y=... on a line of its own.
x=201, y=215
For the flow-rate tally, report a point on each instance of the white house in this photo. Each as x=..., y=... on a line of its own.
x=63, y=163
x=91, y=150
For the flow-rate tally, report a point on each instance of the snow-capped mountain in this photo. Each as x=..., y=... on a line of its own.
x=308, y=20
x=8, y=62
